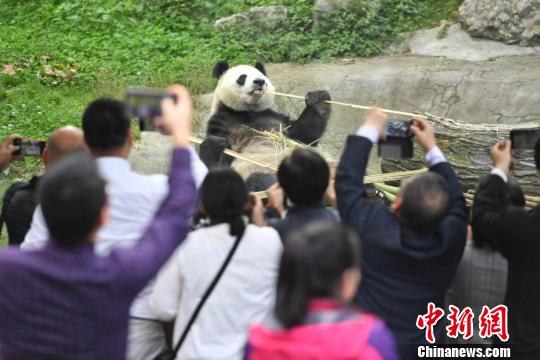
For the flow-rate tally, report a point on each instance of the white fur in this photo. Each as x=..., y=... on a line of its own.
x=241, y=98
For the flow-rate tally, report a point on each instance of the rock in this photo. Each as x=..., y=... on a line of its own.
x=501, y=91
x=264, y=17
x=459, y=45
x=509, y=21
x=322, y=9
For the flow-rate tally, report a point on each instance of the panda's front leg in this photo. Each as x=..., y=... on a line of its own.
x=311, y=124
x=211, y=151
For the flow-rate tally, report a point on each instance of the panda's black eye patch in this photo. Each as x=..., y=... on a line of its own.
x=241, y=80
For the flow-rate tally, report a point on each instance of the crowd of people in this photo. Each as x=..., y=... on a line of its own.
x=106, y=263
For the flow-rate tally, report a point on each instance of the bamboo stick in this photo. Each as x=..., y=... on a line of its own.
x=354, y=106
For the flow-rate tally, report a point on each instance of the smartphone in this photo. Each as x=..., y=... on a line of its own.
x=29, y=147
x=145, y=105
x=524, y=139
x=398, y=143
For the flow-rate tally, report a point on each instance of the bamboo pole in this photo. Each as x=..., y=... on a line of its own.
x=354, y=106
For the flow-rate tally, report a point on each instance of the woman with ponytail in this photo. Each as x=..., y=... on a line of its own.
x=245, y=293
x=313, y=319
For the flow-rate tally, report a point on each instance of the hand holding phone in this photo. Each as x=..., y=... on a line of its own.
x=145, y=105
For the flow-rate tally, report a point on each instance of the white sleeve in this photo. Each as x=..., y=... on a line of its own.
x=38, y=235
x=165, y=295
x=198, y=168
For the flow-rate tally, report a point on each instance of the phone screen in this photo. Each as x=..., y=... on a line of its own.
x=29, y=147
x=145, y=105
x=524, y=139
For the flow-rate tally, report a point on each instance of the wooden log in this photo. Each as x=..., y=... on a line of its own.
x=467, y=146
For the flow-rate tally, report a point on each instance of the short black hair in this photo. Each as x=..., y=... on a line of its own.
x=106, y=124
x=223, y=198
x=312, y=264
x=537, y=154
x=426, y=199
x=72, y=195
x=304, y=177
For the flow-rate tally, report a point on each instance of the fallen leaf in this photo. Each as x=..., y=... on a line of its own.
x=9, y=69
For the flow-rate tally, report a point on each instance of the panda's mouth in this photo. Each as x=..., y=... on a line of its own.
x=257, y=92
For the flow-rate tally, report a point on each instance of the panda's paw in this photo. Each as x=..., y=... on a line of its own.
x=314, y=98
x=211, y=150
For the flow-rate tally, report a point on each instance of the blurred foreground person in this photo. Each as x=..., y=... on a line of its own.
x=133, y=200
x=412, y=249
x=516, y=233
x=245, y=293
x=318, y=278
x=65, y=302
x=20, y=200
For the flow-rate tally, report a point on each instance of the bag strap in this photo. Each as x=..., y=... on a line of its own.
x=206, y=295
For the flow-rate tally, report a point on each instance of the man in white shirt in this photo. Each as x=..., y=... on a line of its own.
x=133, y=200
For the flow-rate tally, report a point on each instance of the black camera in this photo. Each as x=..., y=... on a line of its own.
x=145, y=105
x=524, y=139
x=29, y=147
x=398, y=143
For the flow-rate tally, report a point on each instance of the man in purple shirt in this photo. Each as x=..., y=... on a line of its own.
x=64, y=302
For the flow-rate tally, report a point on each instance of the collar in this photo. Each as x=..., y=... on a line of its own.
x=113, y=165
x=83, y=249
x=316, y=305
x=317, y=206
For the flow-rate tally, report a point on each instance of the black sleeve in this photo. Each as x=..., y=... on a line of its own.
x=492, y=218
x=352, y=201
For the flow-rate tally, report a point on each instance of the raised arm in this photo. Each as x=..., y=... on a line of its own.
x=137, y=265
x=352, y=202
x=492, y=218
x=425, y=137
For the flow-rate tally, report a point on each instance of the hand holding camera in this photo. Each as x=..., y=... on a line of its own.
x=7, y=150
x=425, y=134
x=177, y=114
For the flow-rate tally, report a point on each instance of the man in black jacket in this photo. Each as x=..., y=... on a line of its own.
x=19, y=200
x=410, y=251
x=516, y=234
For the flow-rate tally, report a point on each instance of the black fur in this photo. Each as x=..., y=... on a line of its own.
x=220, y=68
x=241, y=80
x=260, y=66
x=235, y=126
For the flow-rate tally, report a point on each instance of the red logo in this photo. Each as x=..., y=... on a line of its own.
x=494, y=322
x=460, y=322
x=429, y=320
x=491, y=322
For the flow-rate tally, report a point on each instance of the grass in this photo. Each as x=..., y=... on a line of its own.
x=56, y=56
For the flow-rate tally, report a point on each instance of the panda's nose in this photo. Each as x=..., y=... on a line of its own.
x=259, y=82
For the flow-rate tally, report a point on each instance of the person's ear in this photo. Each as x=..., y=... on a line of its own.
x=45, y=156
x=396, y=204
x=349, y=284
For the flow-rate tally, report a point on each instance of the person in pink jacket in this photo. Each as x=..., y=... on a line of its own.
x=318, y=277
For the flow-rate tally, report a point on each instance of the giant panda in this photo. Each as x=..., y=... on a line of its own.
x=242, y=102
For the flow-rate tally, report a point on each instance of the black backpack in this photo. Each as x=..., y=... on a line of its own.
x=18, y=208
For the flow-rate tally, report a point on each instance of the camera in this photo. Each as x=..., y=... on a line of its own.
x=524, y=139
x=29, y=147
x=398, y=143
x=144, y=104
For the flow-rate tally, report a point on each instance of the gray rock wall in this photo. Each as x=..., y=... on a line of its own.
x=510, y=21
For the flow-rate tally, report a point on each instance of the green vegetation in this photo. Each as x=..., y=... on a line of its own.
x=56, y=56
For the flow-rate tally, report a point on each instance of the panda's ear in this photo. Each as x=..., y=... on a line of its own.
x=220, y=68
x=260, y=66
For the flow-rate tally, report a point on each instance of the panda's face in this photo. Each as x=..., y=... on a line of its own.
x=244, y=88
